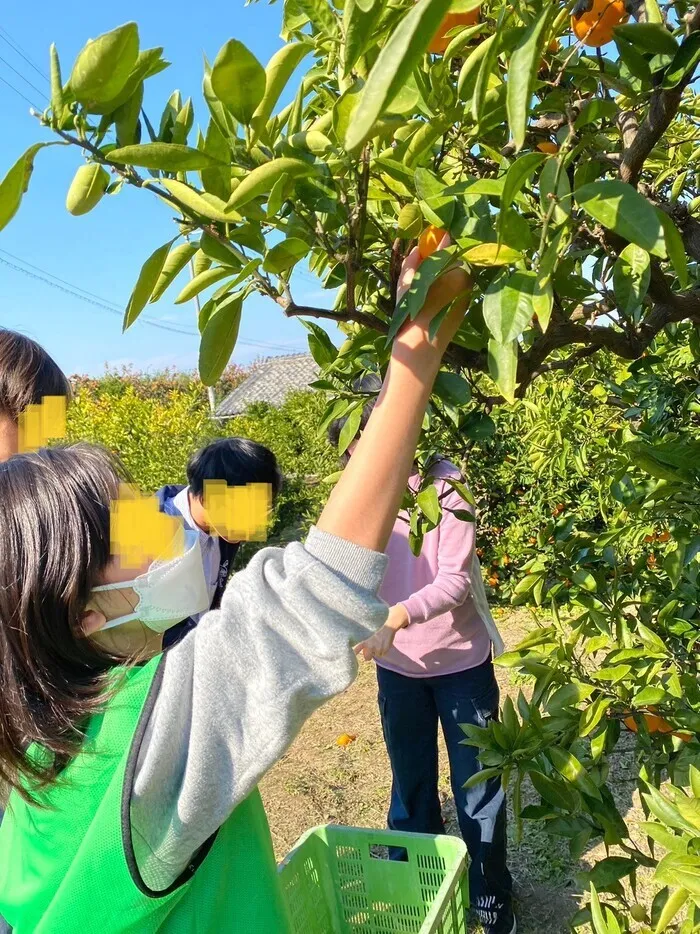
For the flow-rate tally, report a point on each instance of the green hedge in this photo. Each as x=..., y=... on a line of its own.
x=155, y=432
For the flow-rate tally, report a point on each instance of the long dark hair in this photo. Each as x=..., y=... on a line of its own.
x=54, y=543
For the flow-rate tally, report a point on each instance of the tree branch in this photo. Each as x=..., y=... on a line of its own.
x=663, y=107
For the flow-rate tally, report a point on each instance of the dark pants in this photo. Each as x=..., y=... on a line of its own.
x=410, y=709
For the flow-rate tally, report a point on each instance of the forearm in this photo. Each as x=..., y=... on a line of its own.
x=364, y=504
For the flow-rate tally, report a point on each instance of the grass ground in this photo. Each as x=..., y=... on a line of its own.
x=319, y=782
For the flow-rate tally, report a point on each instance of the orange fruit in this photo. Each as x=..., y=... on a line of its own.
x=663, y=536
x=493, y=581
x=655, y=724
x=345, y=739
x=429, y=241
x=594, y=27
x=440, y=40
x=548, y=146
x=552, y=48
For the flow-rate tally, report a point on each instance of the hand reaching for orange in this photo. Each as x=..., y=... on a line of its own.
x=453, y=287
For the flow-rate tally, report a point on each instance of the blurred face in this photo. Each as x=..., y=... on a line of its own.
x=220, y=518
x=9, y=437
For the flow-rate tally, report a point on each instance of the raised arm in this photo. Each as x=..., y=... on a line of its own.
x=364, y=504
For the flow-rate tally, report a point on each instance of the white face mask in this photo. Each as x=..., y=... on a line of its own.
x=168, y=592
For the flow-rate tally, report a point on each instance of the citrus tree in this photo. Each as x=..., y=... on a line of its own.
x=556, y=145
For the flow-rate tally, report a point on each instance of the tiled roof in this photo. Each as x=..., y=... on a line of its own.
x=271, y=381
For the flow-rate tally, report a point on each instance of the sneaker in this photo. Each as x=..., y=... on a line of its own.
x=505, y=925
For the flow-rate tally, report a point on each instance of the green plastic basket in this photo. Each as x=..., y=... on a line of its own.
x=337, y=880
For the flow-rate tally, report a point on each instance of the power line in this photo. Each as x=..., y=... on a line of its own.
x=6, y=37
x=12, y=67
x=91, y=298
x=23, y=96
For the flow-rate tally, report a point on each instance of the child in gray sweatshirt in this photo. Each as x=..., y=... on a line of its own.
x=152, y=792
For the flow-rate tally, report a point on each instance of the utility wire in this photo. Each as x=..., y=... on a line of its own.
x=33, y=86
x=6, y=37
x=23, y=96
x=91, y=298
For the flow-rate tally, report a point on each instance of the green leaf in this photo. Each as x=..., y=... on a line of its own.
x=675, y=248
x=429, y=504
x=585, y=580
x=599, y=925
x=652, y=642
x=631, y=277
x=610, y=870
x=548, y=179
x=15, y=183
x=168, y=157
x=278, y=72
x=671, y=909
x=217, y=180
x=486, y=68
x=146, y=283
x=568, y=694
x=359, y=21
x=685, y=61
x=263, y=178
x=174, y=264
x=568, y=765
x=491, y=254
x=221, y=252
x=619, y=207
x=395, y=62
x=555, y=793
x=666, y=839
x=87, y=188
x=522, y=74
x=649, y=37
x=518, y=173
x=282, y=256
x=238, y=80
x=219, y=114
x=57, y=101
x=344, y=108
x=593, y=714
x=469, y=71
x=511, y=300
x=199, y=203
x=219, y=339
x=680, y=870
x=126, y=118
x=595, y=110
x=410, y=222
x=452, y=388
x=666, y=812
x=349, y=431
x=103, y=66
x=201, y=282
x=322, y=348
x=503, y=367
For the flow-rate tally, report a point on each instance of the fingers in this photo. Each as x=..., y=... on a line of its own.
x=408, y=271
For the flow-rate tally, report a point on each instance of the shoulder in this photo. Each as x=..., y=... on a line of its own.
x=443, y=470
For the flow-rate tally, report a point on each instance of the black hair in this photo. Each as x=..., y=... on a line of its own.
x=238, y=461
x=55, y=544
x=369, y=385
x=27, y=374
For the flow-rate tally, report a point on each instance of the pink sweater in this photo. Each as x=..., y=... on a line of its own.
x=446, y=633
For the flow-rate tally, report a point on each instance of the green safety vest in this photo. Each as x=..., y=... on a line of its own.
x=69, y=868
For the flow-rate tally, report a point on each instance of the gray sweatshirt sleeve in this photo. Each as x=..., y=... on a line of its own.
x=238, y=688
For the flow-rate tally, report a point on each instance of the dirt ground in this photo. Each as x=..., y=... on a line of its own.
x=318, y=782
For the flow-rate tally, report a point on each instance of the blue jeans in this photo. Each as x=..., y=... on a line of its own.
x=410, y=710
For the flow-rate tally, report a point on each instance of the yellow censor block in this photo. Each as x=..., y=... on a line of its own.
x=238, y=513
x=140, y=533
x=41, y=423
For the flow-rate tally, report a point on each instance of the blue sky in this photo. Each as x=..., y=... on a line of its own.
x=102, y=252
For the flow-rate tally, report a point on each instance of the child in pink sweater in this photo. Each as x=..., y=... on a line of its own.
x=434, y=665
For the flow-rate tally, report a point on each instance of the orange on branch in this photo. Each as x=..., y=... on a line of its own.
x=429, y=241
x=441, y=40
x=594, y=27
x=655, y=724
